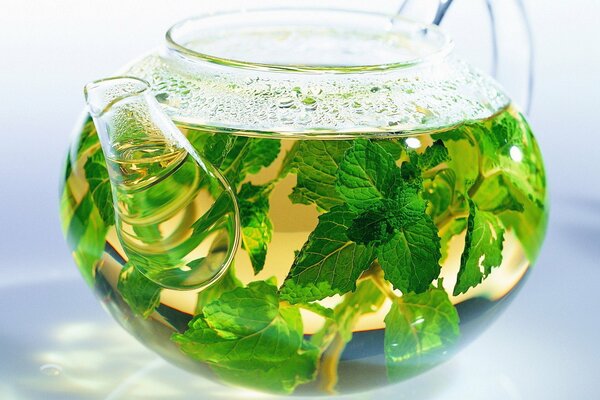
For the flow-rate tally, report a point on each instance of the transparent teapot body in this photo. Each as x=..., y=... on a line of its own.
x=392, y=200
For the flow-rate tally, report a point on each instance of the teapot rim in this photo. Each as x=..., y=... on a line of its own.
x=440, y=51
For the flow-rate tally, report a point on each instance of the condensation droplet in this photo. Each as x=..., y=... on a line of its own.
x=285, y=102
x=51, y=369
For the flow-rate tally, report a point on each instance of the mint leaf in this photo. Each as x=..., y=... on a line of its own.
x=367, y=174
x=376, y=225
x=496, y=195
x=237, y=156
x=86, y=236
x=329, y=262
x=410, y=259
x=433, y=156
x=315, y=163
x=483, y=249
x=248, y=338
x=97, y=177
x=394, y=147
x=257, y=227
x=261, y=153
x=88, y=137
x=419, y=328
x=142, y=295
x=224, y=284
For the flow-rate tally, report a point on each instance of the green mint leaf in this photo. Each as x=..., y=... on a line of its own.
x=224, y=284
x=97, y=177
x=366, y=175
x=433, y=156
x=248, y=338
x=454, y=227
x=229, y=315
x=86, y=235
x=237, y=156
x=419, y=328
x=376, y=225
x=329, y=262
x=497, y=195
x=395, y=148
x=88, y=137
x=505, y=130
x=142, y=295
x=483, y=249
x=257, y=227
x=318, y=309
x=315, y=163
x=261, y=153
x=410, y=260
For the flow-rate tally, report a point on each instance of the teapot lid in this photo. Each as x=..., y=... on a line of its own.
x=315, y=72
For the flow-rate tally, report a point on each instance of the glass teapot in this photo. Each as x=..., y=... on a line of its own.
x=304, y=201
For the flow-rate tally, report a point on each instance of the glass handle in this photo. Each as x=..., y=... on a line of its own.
x=512, y=42
x=512, y=51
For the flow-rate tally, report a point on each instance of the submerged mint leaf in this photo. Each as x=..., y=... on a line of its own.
x=142, y=295
x=366, y=175
x=315, y=163
x=329, y=262
x=224, y=284
x=261, y=153
x=410, y=259
x=249, y=338
x=433, y=156
x=496, y=195
x=86, y=235
x=483, y=249
x=237, y=156
x=257, y=227
x=97, y=177
x=376, y=225
x=419, y=328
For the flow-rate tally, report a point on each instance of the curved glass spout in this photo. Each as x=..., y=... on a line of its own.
x=175, y=215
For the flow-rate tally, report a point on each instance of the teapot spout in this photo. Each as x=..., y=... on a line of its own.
x=176, y=216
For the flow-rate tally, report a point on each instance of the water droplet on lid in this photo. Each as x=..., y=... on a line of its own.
x=285, y=102
x=51, y=369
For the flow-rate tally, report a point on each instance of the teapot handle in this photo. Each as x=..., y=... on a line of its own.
x=512, y=42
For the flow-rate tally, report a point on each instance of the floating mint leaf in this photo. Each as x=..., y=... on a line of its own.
x=257, y=227
x=376, y=225
x=224, y=284
x=366, y=175
x=248, y=338
x=329, y=262
x=142, y=295
x=433, y=156
x=483, y=249
x=496, y=194
x=237, y=156
x=86, y=234
x=97, y=177
x=315, y=163
x=418, y=329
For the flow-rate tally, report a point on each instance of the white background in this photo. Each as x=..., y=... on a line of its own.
x=544, y=346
